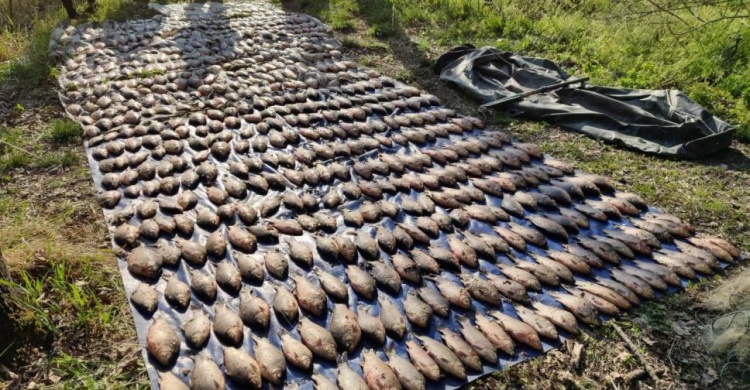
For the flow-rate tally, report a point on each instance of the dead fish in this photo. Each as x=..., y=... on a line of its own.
x=649, y=238
x=463, y=252
x=145, y=262
x=228, y=277
x=609, y=210
x=167, y=380
x=367, y=246
x=361, y=282
x=371, y=326
x=144, y=298
x=620, y=289
x=353, y=218
x=541, y=325
x=424, y=261
x=691, y=250
x=403, y=239
x=633, y=242
x=591, y=212
x=512, y=238
x=241, y=368
x=286, y=226
x=443, y=256
x=600, y=304
x=276, y=264
x=254, y=311
x=371, y=212
x=422, y=361
x=605, y=293
x=391, y=317
x=417, y=311
x=549, y=227
x=639, y=286
x=580, y=307
x=323, y=383
x=309, y=296
x=512, y=206
x=331, y=199
x=377, y=374
x=270, y=360
x=531, y=236
x=332, y=285
x=429, y=226
x=285, y=305
x=264, y=233
x=455, y=294
x=206, y=375
x=483, y=347
x=561, y=318
x=347, y=249
x=443, y=357
x=561, y=271
x=518, y=330
x=509, y=288
x=227, y=325
x=162, y=342
x=721, y=249
x=345, y=328
x=571, y=261
x=385, y=275
x=242, y=239
x=657, y=230
x=300, y=253
x=559, y=195
x=665, y=273
x=251, y=267
x=177, y=293
x=601, y=249
x=295, y=352
x=415, y=233
x=348, y=379
x=692, y=261
x=270, y=206
x=649, y=277
x=622, y=205
x=479, y=245
x=325, y=221
x=197, y=329
x=318, y=339
x=406, y=268
x=540, y=272
x=584, y=254
x=495, y=334
x=459, y=217
x=523, y=277
x=481, y=213
x=410, y=377
x=481, y=289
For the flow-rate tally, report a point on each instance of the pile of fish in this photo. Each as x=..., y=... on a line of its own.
x=285, y=217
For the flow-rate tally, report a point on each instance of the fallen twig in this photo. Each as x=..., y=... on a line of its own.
x=624, y=337
x=17, y=147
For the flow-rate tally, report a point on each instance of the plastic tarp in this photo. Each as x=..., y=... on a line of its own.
x=661, y=122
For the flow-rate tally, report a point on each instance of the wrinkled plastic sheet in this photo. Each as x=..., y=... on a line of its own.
x=296, y=377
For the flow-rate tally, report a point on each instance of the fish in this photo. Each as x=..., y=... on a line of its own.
x=415, y=233
x=418, y=312
x=367, y=246
x=480, y=246
x=228, y=277
x=378, y=375
x=600, y=304
x=521, y=276
x=649, y=277
x=332, y=285
x=586, y=255
x=549, y=227
x=386, y=240
x=456, y=294
x=518, y=330
x=241, y=368
x=300, y=253
x=250, y=267
x=603, y=250
x=371, y=326
x=481, y=289
x=443, y=357
x=463, y=252
x=508, y=288
x=540, y=272
x=295, y=352
x=618, y=246
x=197, y=329
x=636, y=284
x=319, y=340
x=560, y=270
x=620, y=289
x=580, y=307
x=634, y=243
x=692, y=261
x=403, y=239
x=605, y=293
x=391, y=317
x=254, y=311
x=276, y=264
x=409, y=376
x=511, y=237
x=347, y=249
x=541, y=325
x=270, y=360
x=345, y=328
x=485, y=349
x=285, y=305
x=570, y=261
x=721, y=249
x=177, y=293
x=496, y=243
x=561, y=318
x=444, y=257
x=162, y=342
x=406, y=268
x=576, y=216
x=227, y=325
x=348, y=379
x=323, y=383
x=206, y=374
x=531, y=236
x=424, y=261
x=702, y=254
x=495, y=334
x=309, y=296
x=362, y=283
x=422, y=361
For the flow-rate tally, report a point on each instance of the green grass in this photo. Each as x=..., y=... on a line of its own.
x=615, y=43
x=18, y=150
x=63, y=131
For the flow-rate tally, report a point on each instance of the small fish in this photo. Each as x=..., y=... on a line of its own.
x=386, y=240
x=702, y=254
x=295, y=352
x=417, y=311
x=276, y=264
x=531, y=236
x=600, y=304
x=496, y=243
x=463, y=252
x=561, y=271
x=483, y=347
x=634, y=243
x=409, y=376
x=541, y=325
x=345, y=328
x=385, y=275
x=435, y=300
x=425, y=262
x=371, y=326
x=521, y=276
x=309, y=296
x=620, y=289
x=348, y=379
x=604, y=293
x=571, y=261
x=285, y=305
x=604, y=251
x=618, y=246
x=347, y=249
x=514, y=239
x=422, y=361
x=300, y=253
x=254, y=311
x=541, y=272
x=643, y=235
x=561, y=318
x=333, y=286
x=242, y=368
x=367, y=246
x=580, y=307
x=649, y=277
x=415, y=233
x=323, y=383
x=197, y=329
x=270, y=360
x=319, y=340
x=391, y=317
x=444, y=257
x=495, y=334
x=481, y=289
x=509, y=288
x=206, y=374
x=479, y=245
x=406, y=268
x=251, y=267
x=378, y=375
x=403, y=239
x=227, y=325
x=162, y=342
x=361, y=282
x=455, y=294
x=519, y=330
x=586, y=255
x=443, y=357
x=636, y=284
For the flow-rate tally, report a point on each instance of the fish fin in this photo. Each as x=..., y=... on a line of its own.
x=342, y=358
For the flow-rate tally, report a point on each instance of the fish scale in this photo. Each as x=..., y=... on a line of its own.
x=219, y=163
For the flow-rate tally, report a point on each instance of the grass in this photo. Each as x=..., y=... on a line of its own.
x=615, y=43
